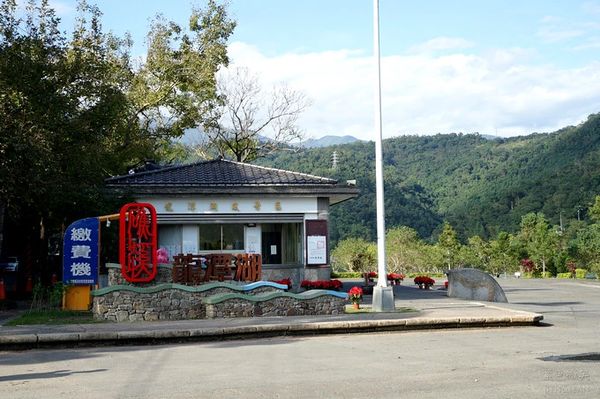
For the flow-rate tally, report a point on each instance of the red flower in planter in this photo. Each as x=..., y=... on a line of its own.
x=424, y=281
x=372, y=275
x=355, y=294
x=321, y=285
x=395, y=276
x=336, y=284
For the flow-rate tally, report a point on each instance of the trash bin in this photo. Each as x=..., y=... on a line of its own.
x=77, y=297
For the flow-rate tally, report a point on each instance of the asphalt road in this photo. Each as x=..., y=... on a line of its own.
x=524, y=362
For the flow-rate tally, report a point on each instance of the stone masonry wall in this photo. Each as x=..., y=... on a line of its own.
x=323, y=305
x=165, y=304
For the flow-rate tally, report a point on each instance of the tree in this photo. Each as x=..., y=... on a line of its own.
x=449, y=245
x=479, y=253
x=250, y=124
x=404, y=249
x=176, y=88
x=76, y=111
x=539, y=238
x=587, y=245
x=355, y=255
x=594, y=210
x=502, y=256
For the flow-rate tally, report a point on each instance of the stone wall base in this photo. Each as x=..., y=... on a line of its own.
x=167, y=302
x=286, y=306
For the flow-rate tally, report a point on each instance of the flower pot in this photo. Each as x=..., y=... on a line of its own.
x=356, y=305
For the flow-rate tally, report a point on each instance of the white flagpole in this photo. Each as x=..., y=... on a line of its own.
x=383, y=296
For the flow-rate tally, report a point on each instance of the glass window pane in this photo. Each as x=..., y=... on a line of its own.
x=210, y=237
x=169, y=237
x=233, y=237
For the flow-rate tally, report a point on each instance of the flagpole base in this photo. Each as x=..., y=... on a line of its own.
x=383, y=299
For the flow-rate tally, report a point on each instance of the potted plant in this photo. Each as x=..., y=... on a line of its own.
x=395, y=278
x=355, y=295
x=370, y=276
x=424, y=282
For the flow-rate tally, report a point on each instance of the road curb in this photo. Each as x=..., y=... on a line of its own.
x=175, y=335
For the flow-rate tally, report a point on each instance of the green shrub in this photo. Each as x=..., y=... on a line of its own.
x=564, y=275
x=546, y=275
x=580, y=273
x=346, y=275
x=531, y=274
x=45, y=298
x=432, y=275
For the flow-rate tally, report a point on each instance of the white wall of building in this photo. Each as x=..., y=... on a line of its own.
x=232, y=205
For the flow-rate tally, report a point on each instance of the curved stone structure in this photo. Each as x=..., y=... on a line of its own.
x=166, y=301
x=474, y=284
x=312, y=302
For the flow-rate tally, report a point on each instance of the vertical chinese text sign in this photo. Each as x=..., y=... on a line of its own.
x=138, y=242
x=80, y=252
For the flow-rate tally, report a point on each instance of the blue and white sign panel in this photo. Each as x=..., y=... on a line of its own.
x=80, y=252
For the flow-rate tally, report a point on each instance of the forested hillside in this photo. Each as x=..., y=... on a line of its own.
x=480, y=186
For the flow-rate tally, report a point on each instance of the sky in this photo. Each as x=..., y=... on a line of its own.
x=499, y=67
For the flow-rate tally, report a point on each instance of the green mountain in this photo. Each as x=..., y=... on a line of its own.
x=326, y=141
x=480, y=186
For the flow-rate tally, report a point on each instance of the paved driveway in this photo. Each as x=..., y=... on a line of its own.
x=524, y=362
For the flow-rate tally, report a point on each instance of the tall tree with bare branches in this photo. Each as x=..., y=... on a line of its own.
x=251, y=123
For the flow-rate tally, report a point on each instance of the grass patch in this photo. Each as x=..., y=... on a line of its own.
x=350, y=310
x=53, y=317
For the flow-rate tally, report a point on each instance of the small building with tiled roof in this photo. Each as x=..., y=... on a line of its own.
x=223, y=206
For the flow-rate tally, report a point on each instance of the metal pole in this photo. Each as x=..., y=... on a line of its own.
x=383, y=296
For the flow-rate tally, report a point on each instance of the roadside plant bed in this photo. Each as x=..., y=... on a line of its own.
x=564, y=275
x=424, y=282
x=53, y=317
x=432, y=275
x=346, y=274
x=580, y=273
x=334, y=285
x=370, y=276
x=395, y=278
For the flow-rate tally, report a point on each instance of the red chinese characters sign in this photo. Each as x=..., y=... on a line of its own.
x=138, y=242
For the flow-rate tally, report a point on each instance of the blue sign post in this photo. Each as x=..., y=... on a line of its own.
x=80, y=252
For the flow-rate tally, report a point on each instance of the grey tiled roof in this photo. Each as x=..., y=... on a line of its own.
x=219, y=173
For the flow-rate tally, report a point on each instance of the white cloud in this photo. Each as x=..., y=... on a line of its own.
x=591, y=44
x=441, y=44
x=497, y=92
x=591, y=7
x=554, y=34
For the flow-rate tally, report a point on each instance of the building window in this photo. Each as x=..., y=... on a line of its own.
x=169, y=237
x=221, y=237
